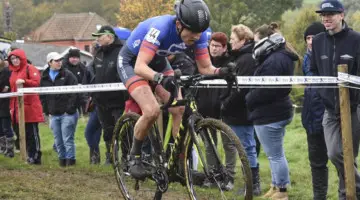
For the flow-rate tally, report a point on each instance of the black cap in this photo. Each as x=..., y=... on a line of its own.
x=331, y=6
x=104, y=30
x=314, y=29
x=74, y=53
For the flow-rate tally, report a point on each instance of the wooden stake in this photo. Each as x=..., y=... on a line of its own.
x=21, y=115
x=347, y=141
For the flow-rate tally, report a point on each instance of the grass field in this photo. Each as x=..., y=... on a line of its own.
x=48, y=181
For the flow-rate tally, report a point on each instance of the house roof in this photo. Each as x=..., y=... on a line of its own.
x=37, y=53
x=60, y=27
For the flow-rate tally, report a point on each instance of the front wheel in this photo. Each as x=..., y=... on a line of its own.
x=130, y=188
x=222, y=164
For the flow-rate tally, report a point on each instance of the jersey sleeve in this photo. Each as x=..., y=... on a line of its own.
x=201, y=47
x=153, y=38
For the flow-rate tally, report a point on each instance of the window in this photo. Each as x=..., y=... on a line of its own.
x=87, y=48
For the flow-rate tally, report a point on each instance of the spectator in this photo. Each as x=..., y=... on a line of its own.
x=93, y=127
x=26, y=75
x=338, y=45
x=6, y=133
x=83, y=75
x=61, y=108
x=312, y=116
x=109, y=105
x=233, y=109
x=208, y=100
x=271, y=109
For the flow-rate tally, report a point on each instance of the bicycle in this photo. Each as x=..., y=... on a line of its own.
x=175, y=162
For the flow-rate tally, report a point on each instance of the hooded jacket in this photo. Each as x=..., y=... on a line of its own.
x=269, y=105
x=32, y=104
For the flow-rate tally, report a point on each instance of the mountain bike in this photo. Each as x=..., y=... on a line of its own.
x=219, y=165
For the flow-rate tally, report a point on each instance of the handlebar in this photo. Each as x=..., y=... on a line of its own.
x=195, y=79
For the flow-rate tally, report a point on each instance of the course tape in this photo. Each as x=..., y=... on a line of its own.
x=243, y=81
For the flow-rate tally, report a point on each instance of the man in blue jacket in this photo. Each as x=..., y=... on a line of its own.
x=312, y=116
x=338, y=45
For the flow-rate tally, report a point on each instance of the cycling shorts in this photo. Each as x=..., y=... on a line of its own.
x=126, y=62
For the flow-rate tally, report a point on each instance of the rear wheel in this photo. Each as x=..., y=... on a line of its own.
x=222, y=165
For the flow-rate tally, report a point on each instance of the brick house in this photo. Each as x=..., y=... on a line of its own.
x=68, y=30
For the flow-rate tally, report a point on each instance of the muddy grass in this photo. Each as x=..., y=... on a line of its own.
x=64, y=184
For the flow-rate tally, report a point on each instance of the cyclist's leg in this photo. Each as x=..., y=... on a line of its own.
x=176, y=112
x=140, y=91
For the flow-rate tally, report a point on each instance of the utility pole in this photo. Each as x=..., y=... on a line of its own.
x=7, y=13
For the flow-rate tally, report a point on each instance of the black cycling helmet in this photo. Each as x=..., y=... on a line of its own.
x=193, y=15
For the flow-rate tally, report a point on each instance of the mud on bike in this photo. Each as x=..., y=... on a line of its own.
x=221, y=159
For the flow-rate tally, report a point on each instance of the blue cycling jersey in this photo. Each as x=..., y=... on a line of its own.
x=158, y=36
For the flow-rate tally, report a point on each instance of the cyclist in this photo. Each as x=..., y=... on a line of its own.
x=144, y=59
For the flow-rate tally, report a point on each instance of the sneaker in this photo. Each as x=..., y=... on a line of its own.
x=209, y=183
x=137, y=169
x=32, y=161
x=280, y=196
x=271, y=192
x=228, y=185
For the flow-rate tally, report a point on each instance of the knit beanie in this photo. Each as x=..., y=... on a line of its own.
x=314, y=29
x=74, y=53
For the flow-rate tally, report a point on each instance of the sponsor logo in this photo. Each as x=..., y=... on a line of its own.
x=136, y=43
x=327, y=5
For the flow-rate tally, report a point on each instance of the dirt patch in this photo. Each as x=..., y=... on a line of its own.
x=66, y=184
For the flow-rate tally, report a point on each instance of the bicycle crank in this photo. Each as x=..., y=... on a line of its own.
x=161, y=179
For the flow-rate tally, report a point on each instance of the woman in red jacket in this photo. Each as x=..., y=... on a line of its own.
x=27, y=75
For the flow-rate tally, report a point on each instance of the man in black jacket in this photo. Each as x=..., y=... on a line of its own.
x=6, y=133
x=110, y=105
x=61, y=108
x=338, y=45
x=83, y=75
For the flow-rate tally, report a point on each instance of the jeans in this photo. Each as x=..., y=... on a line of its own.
x=271, y=137
x=93, y=131
x=5, y=127
x=63, y=127
x=246, y=136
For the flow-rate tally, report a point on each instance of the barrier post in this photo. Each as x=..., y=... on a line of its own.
x=347, y=141
x=21, y=114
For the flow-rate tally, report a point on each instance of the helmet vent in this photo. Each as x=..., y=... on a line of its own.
x=201, y=17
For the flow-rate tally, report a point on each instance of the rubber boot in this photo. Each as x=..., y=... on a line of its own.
x=62, y=162
x=10, y=142
x=2, y=145
x=256, y=181
x=107, y=154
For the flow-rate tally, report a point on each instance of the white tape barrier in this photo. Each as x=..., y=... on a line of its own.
x=244, y=81
x=349, y=78
x=8, y=95
x=74, y=89
x=277, y=80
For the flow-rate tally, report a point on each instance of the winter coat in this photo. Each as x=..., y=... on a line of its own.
x=31, y=75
